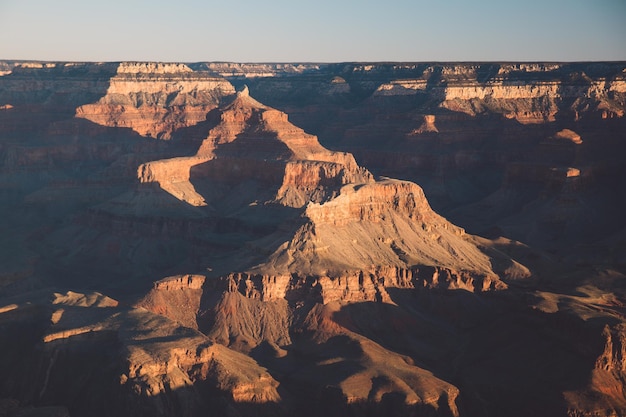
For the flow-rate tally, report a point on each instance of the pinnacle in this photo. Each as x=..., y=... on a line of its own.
x=243, y=99
x=244, y=92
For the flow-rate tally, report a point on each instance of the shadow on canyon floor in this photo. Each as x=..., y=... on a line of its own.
x=488, y=345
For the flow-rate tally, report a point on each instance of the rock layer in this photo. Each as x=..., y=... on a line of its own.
x=297, y=281
x=156, y=99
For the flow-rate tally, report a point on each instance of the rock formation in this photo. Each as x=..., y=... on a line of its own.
x=427, y=127
x=247, y=266
x=156, y=99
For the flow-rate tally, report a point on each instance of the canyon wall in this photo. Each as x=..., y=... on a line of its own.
x=156, y=99
x=228, y=238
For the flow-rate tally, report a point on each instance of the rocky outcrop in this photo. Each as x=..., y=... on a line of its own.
x=260, y=287
x=613, y=357
x=255, y=141
x=604, y=389
x=318, y=181
x=179, y=367
x=177, y=298
x=266, y=130
x=357, y=286
x=156, y=99
x=401, y=87
x=374, y=224
x=149, y=364
x=184, y=282
x=172, y=175
x=570, y=135
x=428, y=126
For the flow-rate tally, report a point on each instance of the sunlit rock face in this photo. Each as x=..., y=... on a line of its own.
x=156, y=99
x=312, y=239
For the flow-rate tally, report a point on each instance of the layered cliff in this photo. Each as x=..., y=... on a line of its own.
x=90, y=345
x=156, y=99
x=253, y=141
x=385, y=223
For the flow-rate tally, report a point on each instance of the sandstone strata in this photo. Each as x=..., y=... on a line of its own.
x=260, y=137
x=156, y=99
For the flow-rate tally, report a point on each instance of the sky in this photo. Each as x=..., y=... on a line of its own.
x=313, y=30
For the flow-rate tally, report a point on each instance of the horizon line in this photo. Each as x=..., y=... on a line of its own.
x=489, y=61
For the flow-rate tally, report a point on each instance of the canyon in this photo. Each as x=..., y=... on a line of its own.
x=414, y=239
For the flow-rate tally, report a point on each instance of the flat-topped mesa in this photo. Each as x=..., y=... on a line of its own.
x=370, y=202
x=527, y=103
x=180, y=282
x=176, y=297
x=537, y=101
x=156, y=99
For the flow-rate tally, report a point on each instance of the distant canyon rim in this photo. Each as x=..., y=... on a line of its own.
x=362, y=239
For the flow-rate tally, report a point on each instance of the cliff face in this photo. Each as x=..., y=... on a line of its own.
x=381, y=223
x=156, y=99
x=247, y=136
x=539, y=102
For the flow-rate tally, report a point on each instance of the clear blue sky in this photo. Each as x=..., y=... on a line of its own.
x=313, y=30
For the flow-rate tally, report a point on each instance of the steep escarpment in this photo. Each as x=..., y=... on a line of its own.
x=527, y=92
x=156, y=99
x=252, y=141
x=382, y=223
